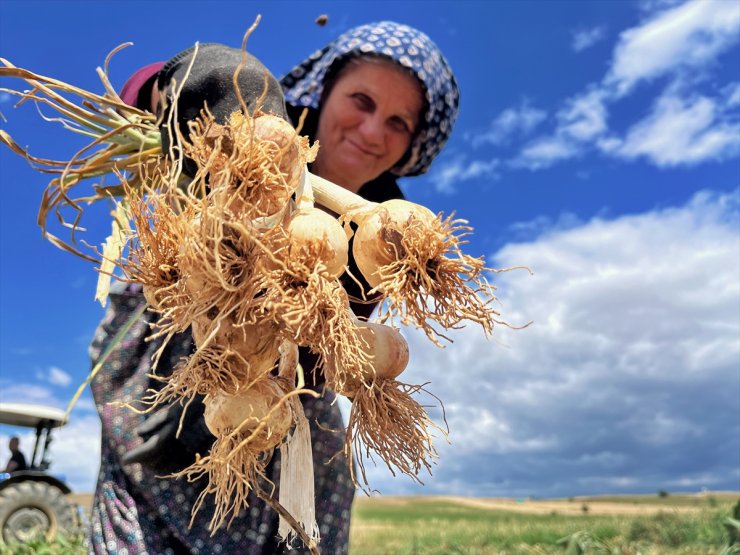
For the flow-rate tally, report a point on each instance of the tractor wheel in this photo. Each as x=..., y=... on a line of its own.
x=31, y=510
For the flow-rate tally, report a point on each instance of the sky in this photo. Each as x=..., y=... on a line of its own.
x=598, y=143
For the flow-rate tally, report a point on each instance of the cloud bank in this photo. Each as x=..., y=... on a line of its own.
x=627, y=380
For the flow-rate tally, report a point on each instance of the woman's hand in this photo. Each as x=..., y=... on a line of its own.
x=163, y=451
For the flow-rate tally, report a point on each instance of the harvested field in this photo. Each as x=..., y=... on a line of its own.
x=606, y=505
x=671, y=524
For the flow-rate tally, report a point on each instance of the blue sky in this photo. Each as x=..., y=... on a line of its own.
x=597, y=143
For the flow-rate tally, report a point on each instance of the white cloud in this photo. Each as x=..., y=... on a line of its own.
x=702, y=481
x=685, y=36
x=629, y=370
x=586, y=38
x=478, y=168
x=516, y=121
x=543, y=224
x=447, y=176
x=29, y=393
x=15, y=392
x=57, y=376
x=544, y=152
x=583, y=117
x=681, y=132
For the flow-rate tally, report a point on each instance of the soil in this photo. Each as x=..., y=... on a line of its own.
x=568, y=507
x=634, y=505
x=84, y=500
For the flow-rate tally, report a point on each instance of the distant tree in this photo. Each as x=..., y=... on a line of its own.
x=663, y=493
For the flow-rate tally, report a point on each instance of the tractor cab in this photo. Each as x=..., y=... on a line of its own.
x=42, y=419
x=33, y=502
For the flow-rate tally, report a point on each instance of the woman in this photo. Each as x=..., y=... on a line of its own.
x=381, y=101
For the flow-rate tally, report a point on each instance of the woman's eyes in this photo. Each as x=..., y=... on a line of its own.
x=400, y=125
x=366, y=104
x=363, y=102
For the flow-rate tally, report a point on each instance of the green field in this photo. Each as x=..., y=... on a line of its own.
x=616, y=525
x=642, y=524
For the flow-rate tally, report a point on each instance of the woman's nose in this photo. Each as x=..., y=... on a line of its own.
x=372, y=130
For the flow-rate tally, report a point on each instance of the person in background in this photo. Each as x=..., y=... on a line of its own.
x=17, y=461
x=381, y=100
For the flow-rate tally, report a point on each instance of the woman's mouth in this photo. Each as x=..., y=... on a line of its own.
x=361, y=149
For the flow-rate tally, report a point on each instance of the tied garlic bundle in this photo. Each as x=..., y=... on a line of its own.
x=243, y=255
x=223, y=230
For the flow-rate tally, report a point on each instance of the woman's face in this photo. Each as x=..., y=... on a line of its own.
x=366, y=123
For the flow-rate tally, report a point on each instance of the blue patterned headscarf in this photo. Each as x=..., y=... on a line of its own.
x=410, y=48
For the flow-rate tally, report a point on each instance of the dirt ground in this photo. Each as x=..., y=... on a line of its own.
x=84, y=500
x=574, y=506
x=566, y=507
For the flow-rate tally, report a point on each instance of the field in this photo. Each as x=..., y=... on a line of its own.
x=628, y=525
x=672, y=524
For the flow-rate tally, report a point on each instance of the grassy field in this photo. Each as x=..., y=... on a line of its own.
x=615, y=525
x=673, y=524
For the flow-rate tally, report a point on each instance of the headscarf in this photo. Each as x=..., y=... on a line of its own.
x=406, y=46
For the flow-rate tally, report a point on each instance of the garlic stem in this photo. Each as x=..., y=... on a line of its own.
x=288, y=365
x=304, y=193
x=338, y=199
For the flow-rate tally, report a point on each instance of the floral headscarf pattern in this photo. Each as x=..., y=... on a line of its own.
x=406, y=46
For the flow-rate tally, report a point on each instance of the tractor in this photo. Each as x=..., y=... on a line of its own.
x=33, y=502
